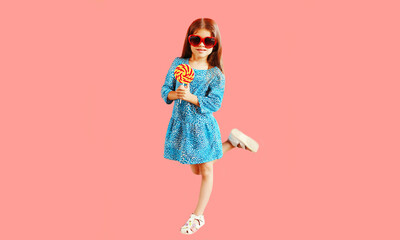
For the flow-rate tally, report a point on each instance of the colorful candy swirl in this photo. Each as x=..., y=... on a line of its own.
x=184, y=73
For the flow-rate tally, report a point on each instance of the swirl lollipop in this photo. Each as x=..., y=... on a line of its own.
x=184, y=74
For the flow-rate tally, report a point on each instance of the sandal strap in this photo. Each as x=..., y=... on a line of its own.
x=193, y=224
x=236, y=142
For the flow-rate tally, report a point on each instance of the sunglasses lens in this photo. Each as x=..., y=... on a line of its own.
x=194, y=40
x=209, y=42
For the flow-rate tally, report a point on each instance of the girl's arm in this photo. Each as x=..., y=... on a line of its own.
x=172, y=95
x=193, y=99
x=185, y=94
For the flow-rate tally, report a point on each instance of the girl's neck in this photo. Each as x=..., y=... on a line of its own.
x=201, y=60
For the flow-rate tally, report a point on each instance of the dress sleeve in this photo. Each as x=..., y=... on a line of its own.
x=212, y=101
x=169, y=84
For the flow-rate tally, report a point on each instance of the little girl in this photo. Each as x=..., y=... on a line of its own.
x=193, y=135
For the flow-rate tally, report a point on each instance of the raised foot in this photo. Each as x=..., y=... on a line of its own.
x=239, y=139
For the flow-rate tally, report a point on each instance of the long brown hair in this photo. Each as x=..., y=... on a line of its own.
x=215, y=58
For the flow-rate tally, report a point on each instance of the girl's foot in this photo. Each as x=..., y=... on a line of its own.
x=193, y=224
x=239, y=139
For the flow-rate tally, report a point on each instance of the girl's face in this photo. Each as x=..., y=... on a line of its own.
x=201, y=51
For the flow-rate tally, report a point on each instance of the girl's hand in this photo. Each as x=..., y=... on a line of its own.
x=184, y=92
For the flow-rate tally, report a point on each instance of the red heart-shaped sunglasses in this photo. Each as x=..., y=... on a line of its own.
x=195, y=41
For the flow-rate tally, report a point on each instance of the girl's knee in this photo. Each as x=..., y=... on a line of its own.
x=206, y=168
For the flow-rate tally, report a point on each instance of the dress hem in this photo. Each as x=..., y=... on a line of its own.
x=219, y=157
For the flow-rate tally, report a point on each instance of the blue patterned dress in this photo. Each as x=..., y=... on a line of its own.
x=193, y=135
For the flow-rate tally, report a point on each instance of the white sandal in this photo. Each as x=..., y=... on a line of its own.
x=239, y=139
x=193, y=224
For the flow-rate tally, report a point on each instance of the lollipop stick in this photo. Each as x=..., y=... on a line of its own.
x=180, y=99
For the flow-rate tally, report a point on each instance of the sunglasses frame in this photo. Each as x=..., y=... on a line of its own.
x=202, y=40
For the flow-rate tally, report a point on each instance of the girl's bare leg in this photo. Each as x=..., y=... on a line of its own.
x=206, y=171
x=226, y=146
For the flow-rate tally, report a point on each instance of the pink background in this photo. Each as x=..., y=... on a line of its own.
x=82, y=131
